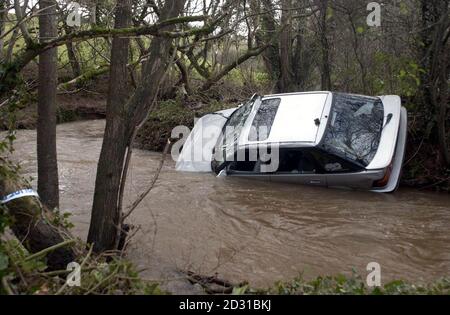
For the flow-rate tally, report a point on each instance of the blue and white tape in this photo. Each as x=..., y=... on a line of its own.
x=19, y=194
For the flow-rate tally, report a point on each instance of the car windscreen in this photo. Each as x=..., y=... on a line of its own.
x=264, y=118
x=354, y=128
x=231, y=131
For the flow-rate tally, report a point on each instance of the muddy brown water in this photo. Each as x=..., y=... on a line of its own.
x=250, y=230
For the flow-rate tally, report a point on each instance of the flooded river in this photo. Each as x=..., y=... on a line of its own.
x=251, y=230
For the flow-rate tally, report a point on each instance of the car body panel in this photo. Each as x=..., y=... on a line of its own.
x=196, y=154
x=294, y=121
x=361, y=180
x=397, y=161
x=386, y=147
x=300, y=123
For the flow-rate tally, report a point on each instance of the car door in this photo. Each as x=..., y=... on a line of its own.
x=342, y=173
x=299, y=166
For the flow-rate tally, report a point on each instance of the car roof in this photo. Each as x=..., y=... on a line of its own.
x=295, y=120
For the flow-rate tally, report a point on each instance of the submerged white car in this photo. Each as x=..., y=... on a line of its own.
x=314, y=138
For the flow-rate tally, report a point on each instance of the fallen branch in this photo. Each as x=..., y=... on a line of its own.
x=225, y=70
x=49, y=249
x=213, y=284
x=106, y=279
x=84, y=77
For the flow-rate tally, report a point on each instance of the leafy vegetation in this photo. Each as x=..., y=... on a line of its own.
x=356, y=285
x=21, y=273
x=24, y=273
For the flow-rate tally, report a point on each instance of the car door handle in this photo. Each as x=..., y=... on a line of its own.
x=315, y=182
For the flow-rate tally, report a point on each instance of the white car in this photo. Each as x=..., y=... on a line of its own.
x=314, y=138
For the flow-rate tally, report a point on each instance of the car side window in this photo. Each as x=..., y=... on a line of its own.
x=331, y=164
x=296, y=161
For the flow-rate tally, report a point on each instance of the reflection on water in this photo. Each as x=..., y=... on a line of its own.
x=251, y=230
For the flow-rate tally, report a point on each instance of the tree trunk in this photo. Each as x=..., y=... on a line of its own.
x=3, y=14
x=358, y=55
x=105, y=214
x=430, y=16
x=271, y=56
x=183, y=85
x=12, y=42
x=119, y=135
x=434, y=58
x=302, y=56
x=31, y=222
x=325, y=72
x=440, y=75
x=72, y=56
x=14, y=35
x=285, y=80
x=48, y=187
x=20, y=13
x=443, y=121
